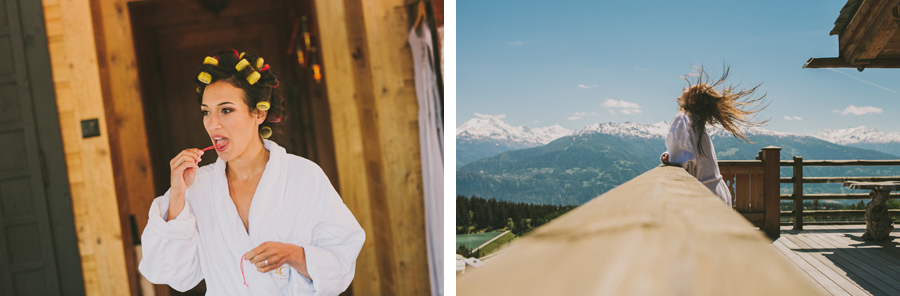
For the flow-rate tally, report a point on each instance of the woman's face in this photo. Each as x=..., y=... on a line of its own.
x=226, y=117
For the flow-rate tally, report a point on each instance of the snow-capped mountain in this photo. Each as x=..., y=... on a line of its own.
x=486, y=136
x=863, y=137
x=853, y=135
x=660, y=129
x=495, y=129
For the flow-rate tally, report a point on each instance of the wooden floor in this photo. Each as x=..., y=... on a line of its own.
x=836, y=258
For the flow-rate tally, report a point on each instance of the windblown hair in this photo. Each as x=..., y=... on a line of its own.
x=733, y=109
x=262, y=90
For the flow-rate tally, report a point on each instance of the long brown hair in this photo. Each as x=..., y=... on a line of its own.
x=733, y=109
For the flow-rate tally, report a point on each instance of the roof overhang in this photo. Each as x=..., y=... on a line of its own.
x=868, y=36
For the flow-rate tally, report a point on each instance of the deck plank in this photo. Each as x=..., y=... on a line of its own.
x=835, y=257
x=827, y=284
x=823, y=264
x=873, y=257
x=857, y=267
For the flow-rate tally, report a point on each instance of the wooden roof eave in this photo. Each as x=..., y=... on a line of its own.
x=840, y=62
x=865, y=37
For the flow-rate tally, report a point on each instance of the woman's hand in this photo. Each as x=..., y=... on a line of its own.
x=184, y=166
x=664, y=158
x=270, y=255
x=184, y=169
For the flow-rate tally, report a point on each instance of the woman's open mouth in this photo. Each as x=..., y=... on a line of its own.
x=220, y=143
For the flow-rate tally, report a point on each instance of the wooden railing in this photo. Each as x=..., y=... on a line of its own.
x=798, y=180
x=754, y=186
x=661, y=233
x=747, y=181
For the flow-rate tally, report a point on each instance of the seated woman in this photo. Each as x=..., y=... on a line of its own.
x=256, y=206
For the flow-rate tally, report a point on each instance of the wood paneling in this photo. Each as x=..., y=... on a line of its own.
x=374, y=117
x=76, y=77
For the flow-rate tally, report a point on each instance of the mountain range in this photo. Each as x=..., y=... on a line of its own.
x=484, y=137
x=488, y=136
x=583, y=164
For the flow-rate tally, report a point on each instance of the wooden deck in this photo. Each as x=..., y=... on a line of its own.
x=836, y=258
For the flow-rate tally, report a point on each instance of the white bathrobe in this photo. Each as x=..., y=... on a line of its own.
x=294, y=203
x=681, y=145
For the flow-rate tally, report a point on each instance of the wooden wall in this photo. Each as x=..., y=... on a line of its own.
x=79, y=96
x=375, y=122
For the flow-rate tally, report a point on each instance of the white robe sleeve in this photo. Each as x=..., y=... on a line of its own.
x=680, y=144
x=336, y=241
x=170, y=248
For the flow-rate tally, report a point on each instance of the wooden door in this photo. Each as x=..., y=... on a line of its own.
x=38, y=246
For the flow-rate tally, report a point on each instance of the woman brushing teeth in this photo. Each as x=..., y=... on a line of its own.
x=256, y=205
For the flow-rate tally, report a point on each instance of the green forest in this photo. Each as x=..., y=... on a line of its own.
x=475, y=214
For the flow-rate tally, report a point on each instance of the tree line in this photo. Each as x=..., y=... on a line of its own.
x=476, y=214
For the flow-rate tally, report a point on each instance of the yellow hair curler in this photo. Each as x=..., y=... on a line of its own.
x=241, y=65
x=263, y=106
x=210, y=61
x=204, y=77
x=242, y=55
x=265, y=132
x=253, y=77
x=259, y=63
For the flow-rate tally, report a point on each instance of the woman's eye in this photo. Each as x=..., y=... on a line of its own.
x=204, y=112
x=226, y=110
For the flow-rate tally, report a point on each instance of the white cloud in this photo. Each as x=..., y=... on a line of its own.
x=516, y=43
x=537, y=121
x=610, y=103
x=622, y=106
x=859, y=110
x=573, y=117
x=587, y=86
x=793, y=118
x=489, y=116
x=580, y=113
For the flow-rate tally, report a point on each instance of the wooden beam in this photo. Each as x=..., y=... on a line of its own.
x=127, y=135
x=860, y=65
x=369, y=78
x=659, y=233
x=393, y=83
x=771, y=189
x=340, y=83
x=870, y=29
x=79, y=96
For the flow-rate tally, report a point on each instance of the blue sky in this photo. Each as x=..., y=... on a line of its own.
x=580, y=62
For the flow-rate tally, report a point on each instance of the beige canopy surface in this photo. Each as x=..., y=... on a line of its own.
x=662, y=233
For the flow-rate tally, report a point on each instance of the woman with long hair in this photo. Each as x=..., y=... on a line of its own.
x=258, y=221
x=688, y=144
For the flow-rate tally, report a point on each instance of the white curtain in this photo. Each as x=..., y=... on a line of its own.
x=430, y=130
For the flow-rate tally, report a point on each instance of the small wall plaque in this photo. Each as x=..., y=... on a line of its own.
x=90, y=128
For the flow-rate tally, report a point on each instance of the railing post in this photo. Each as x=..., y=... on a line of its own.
x=772, y=191
x=798, y=192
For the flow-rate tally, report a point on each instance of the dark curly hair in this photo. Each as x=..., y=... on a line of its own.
x=256, y=79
